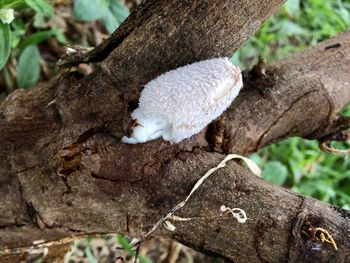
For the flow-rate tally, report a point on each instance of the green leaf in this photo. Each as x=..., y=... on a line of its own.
x=87, y=10
x=7, y=78
x=60, y=36
x=5, y=44
x=290, y=28
x=41, y=6
x=110, y=22
x=114, y=16
x=119, y=10
x=344, y=13
x=90, y=255
x=28, y=69
x=18, y=30
x=125, y=244
x=292, y=8
x=40, y=21
x=275, y=172
x=346, y=110
x=346, y=206
x=73, y=250
x=143, y=259
x=127, y=247
x=37, y=38
x=11, y=3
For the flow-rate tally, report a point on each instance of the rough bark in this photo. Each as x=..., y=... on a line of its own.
x=64, y=171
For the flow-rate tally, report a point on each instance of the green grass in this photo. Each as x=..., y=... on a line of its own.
x=297, y=163
x=297, y=25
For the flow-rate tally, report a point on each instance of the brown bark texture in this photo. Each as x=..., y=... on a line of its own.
x=64, y=171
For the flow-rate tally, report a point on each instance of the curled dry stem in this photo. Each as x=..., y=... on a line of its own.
x=325, y=236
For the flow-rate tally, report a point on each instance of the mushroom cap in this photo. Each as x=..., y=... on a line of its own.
x=190, y=97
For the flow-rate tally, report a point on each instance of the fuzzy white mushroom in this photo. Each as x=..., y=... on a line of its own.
x=183, y=101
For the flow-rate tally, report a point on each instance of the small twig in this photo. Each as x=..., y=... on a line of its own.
x=137, y=252
x=338, y=131
x=326, y=147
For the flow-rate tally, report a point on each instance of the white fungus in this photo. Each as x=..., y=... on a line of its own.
x=181, y=102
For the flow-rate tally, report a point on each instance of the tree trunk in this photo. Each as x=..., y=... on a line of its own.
x=64, y=171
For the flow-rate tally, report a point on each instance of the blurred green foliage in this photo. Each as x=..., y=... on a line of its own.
x=297, y=163
x=24, y=24
x=125, y=244
x=111, y=12
x=18, y=39
x=298, y=24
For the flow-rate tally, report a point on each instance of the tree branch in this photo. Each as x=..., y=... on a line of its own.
x=64, y=171
x=301, y=96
